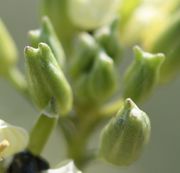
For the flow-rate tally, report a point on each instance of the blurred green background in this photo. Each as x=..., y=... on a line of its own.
x=162, y=155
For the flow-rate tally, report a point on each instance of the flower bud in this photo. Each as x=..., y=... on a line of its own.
x=124, y=137
x=102, y=78
x=12, y=139
x=92, y=14
x=46, y=79
x=142, y=75
x=8, y=53
x=46, y=34
x=108, y=39
x=84, y=54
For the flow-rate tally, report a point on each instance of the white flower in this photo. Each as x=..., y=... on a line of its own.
x=13, y=139
x=68, y=168
x=90, y=14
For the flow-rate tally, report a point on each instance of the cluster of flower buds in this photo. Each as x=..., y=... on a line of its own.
x=124, y=137
x=93, y=67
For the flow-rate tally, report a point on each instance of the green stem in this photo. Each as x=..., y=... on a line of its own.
x=41, y=133
x=77, y=147
x=18, y=81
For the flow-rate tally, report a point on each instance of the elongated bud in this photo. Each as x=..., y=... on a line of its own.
x=92, y=14
x=8, y=53
x=168, y=42
x=142, y=75
x=46, y=79
x=12, y=139
x=102, y=78
x=84, y=54
x=46, y=34
x=108, y=39
x=124, y=137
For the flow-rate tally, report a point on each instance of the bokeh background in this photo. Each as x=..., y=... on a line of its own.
x=162, y=155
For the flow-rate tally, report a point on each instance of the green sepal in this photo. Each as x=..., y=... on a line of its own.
x=102, y=78
x=108, y=38
x=84, y=54
x=46, y=79
x=142, y=75
x=8, y=51
x=46, y=34
x=124, y=137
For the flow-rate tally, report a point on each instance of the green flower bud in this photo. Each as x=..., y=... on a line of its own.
x=85, y=51
x=168, y=43
x=142, y=75
x=46, y=79
x=102, y=78
x=13, y=139
x=46, y=34
x=108, y=39
x=8, y=53
x=124, y=137
x=92, y=14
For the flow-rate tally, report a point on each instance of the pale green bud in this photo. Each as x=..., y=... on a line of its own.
x=92, y=14
x=108, y=38
x=8, y=52
x=46, y=34
x=124, y=137
x=85, y=51
x=46, y=79
x=13, y=139
x=142, y=75
x=102, y=78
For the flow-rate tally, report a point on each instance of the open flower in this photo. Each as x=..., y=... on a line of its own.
x=92, y=14
x=13, y=139
x=68, y=168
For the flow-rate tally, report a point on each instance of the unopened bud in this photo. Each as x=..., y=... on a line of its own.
x=46, y=79
x=102, y=78
x=108, y=39
x=46, y=34
x=84, y=54
x=142, y=75
x=124, y=137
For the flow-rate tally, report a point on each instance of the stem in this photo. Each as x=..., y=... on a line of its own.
x=18, y=81
x=77, y=148
x=41, y=133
